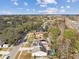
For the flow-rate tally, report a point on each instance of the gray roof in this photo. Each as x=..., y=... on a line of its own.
x=39, y=43
x=42, y=48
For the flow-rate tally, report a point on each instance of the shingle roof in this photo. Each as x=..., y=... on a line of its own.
x=42, y=48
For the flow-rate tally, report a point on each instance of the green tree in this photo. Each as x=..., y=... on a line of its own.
x=55, y=32
x=70, y=34
x=31, y=37
x=76, y=46
x=10, y=35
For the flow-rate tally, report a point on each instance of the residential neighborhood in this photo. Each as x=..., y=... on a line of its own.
x=54, y=37
x=40, y=48
x=39, y=29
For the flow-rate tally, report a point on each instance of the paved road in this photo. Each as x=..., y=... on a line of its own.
x=16, y=48
x=14, y=51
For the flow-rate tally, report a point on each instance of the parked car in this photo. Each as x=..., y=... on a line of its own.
x=6, y=57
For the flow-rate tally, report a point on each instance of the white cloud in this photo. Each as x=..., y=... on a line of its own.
x=33, y=10
x=74, y=1
x=46, y=1
x=20, y=8
x=27, y=9
x=6, y=12
x=62, y=7
x=68, y=6
x=42, y=5
x=14, y=0
x=68, y=0
x=25, y=3
x=49, y=11
x=16, y=3
x=62, y=11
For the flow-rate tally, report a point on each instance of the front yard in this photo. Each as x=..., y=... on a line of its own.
x=26, y=45
x=5, y=49
x=24, y=55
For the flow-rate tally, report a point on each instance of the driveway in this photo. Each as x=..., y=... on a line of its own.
x=13, y=53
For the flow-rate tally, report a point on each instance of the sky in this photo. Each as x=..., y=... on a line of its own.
x=13, y=7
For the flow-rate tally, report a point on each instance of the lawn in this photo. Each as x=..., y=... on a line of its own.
x=5, y=49
x=24, y=55
x=26, y=45
x=17, y=55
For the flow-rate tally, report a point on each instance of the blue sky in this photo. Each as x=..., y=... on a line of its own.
x=39, y=7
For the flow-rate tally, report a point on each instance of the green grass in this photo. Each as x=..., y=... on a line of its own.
x=26, y=45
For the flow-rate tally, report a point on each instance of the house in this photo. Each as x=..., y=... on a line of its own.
x=45, y=44
x=5, y=45
x=36, y=34
x=39, y=53
x=39, y=34
x=40, y=48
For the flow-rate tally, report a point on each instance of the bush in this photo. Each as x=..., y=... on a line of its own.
x=70, y=34
x=55, y=32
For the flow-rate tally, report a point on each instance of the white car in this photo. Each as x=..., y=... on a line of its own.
x=6, y=57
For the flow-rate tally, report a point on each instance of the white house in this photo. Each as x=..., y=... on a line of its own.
x=5, y=46
x=39, y=53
